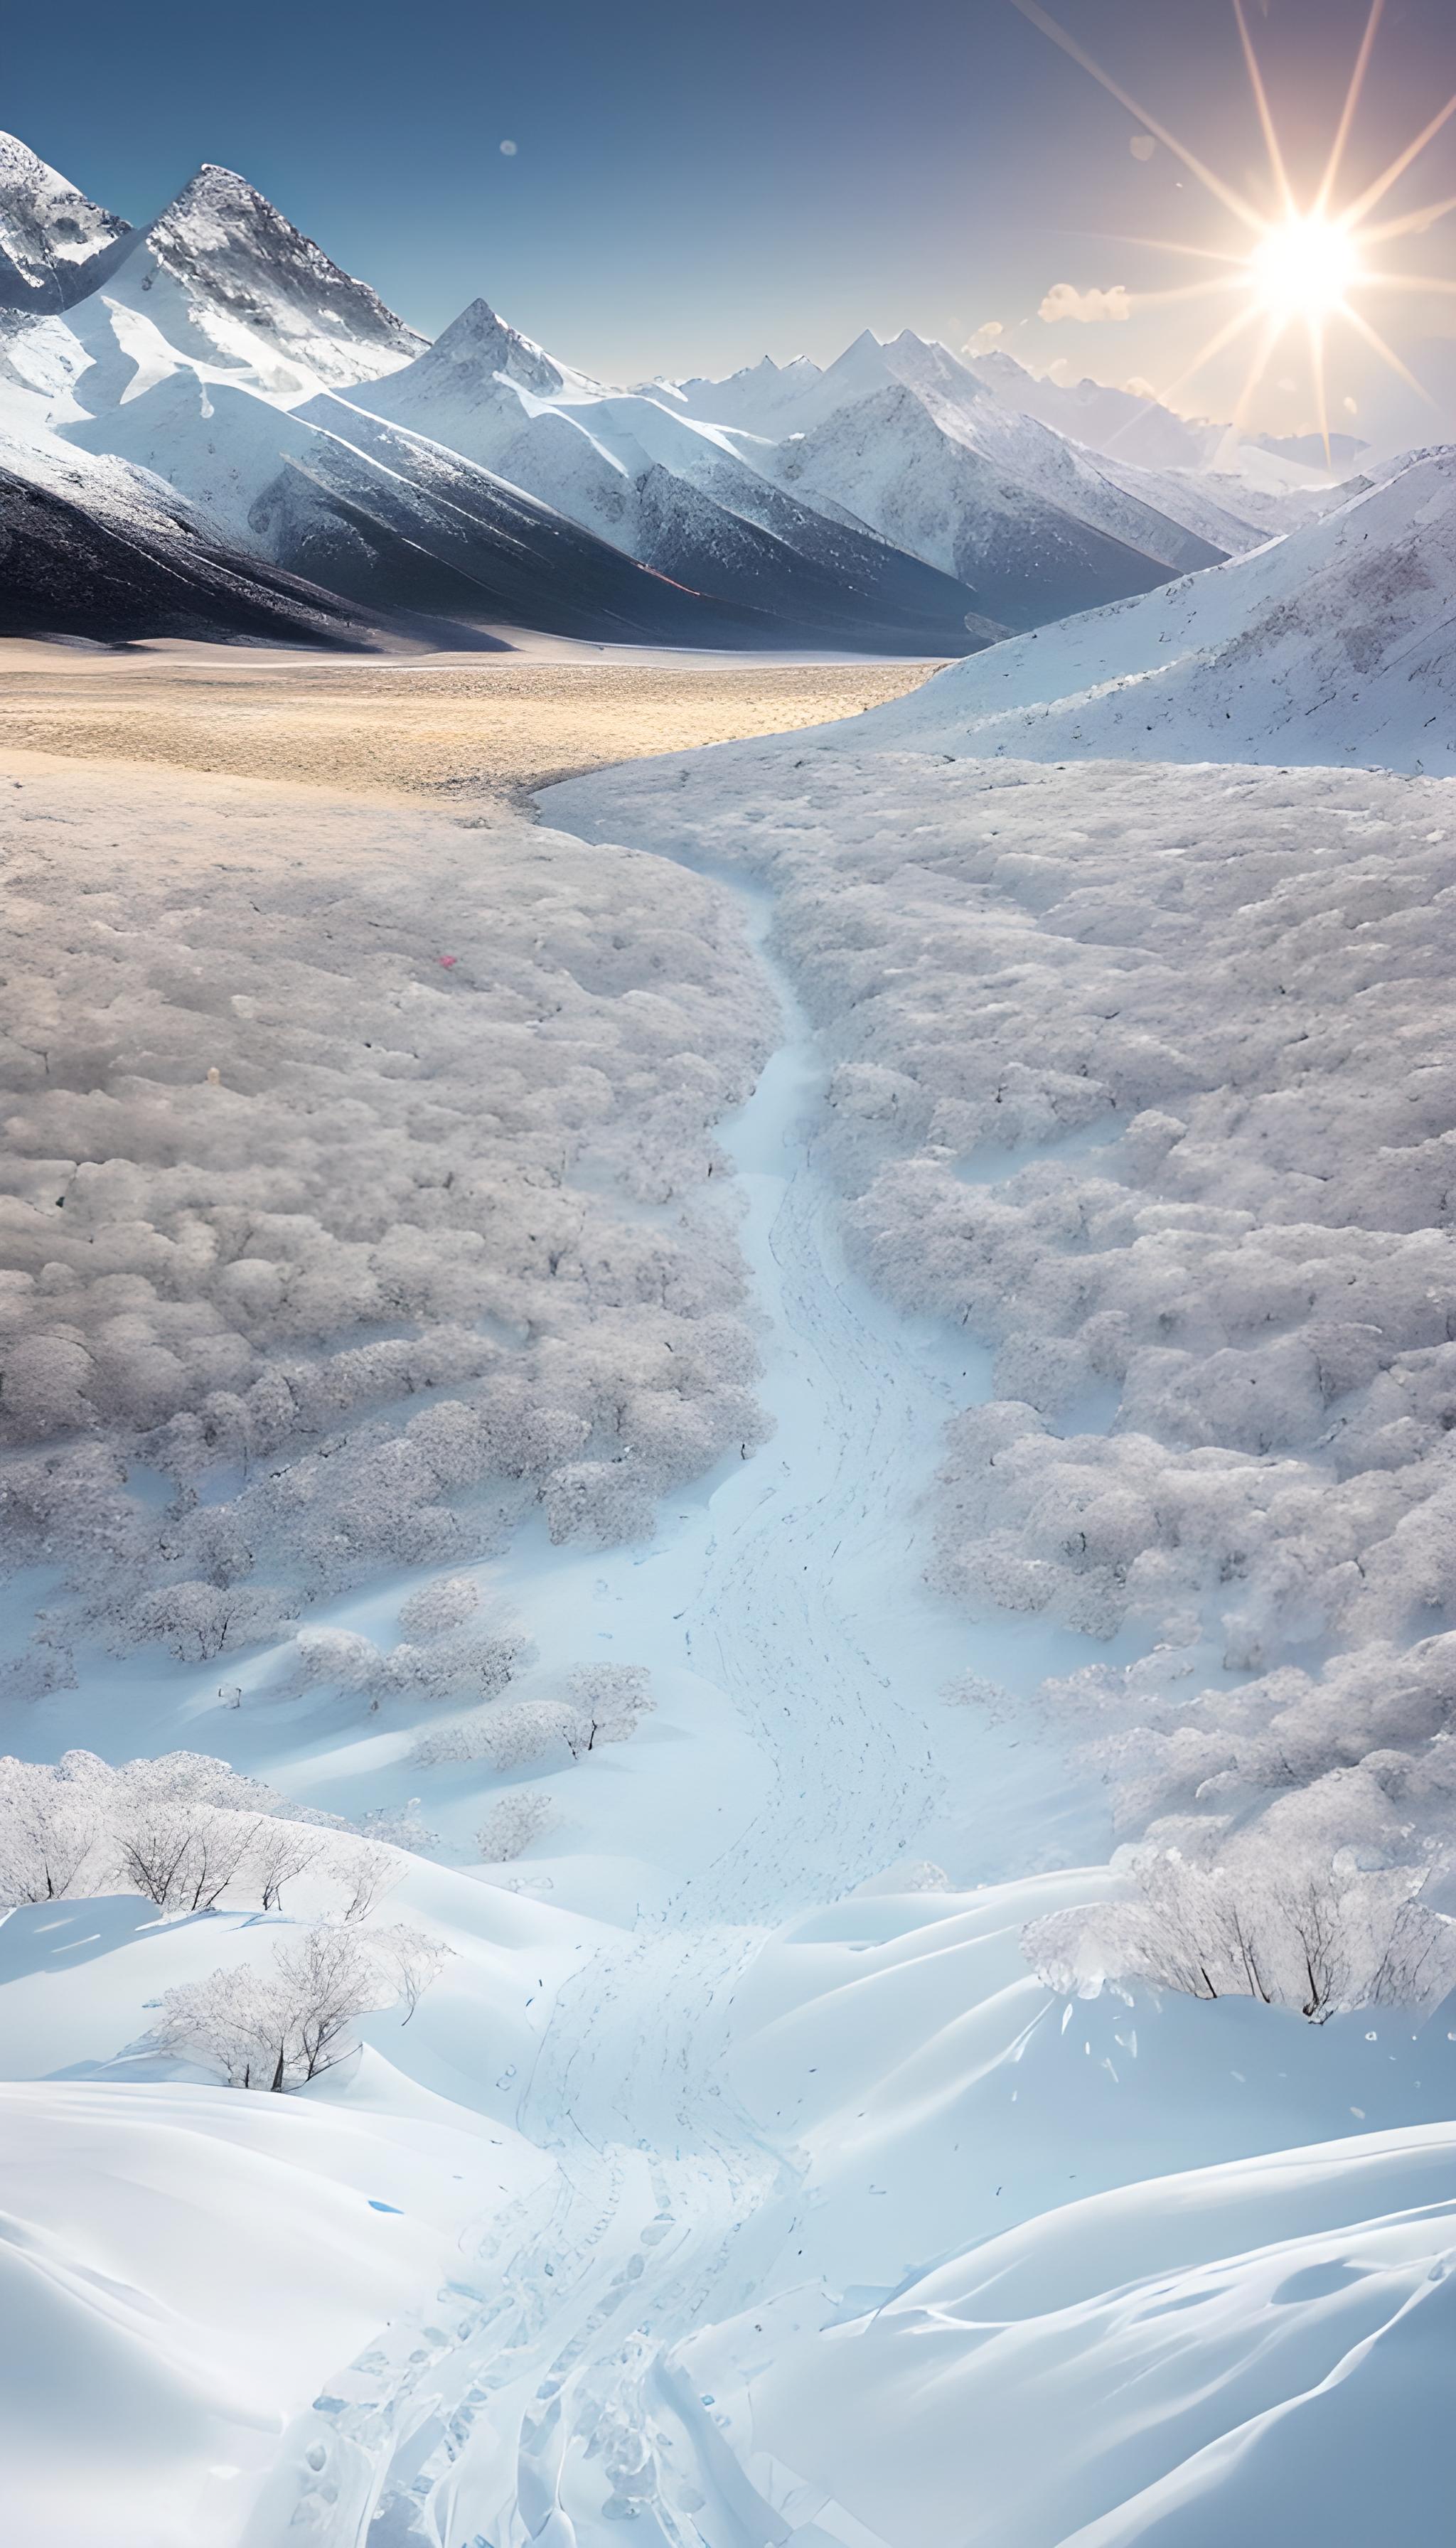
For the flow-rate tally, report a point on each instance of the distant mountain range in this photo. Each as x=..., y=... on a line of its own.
x=213, y=380
x=1332, y=648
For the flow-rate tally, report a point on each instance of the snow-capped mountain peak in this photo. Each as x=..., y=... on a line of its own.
x=481, y=376
x=481, y=341
x=239, y=262
x=758, y=400
x=52, y=236
x=1137, y=428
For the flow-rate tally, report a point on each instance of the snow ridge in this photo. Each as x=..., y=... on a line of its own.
x=53, y=239
x=1330, y=646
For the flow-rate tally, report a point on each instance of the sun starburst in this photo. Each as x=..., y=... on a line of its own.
x=1307, y=267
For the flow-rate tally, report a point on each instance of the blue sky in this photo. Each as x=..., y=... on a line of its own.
x=694, y=186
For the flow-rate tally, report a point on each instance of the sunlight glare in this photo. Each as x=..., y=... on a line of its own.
x=1305, y=267
x=1306, y=264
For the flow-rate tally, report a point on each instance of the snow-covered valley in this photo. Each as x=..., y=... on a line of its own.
x=738, y=2175
x=727, y=1444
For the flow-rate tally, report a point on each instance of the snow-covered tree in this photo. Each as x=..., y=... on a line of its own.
x=292, y=1130
x=517, y=1734
x=365, y=1874
x=613, y=1698
x=182, y=1857
x=276, y=1852
x=276, y=2026
x=1312, y=1935
x=50, y=1835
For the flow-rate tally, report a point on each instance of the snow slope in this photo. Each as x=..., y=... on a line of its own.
x=182, y=2269
x=1166, y=508
x=1335, y=644
x=920, y=483
x=977, y=427
x=54, y=242
x=1252, y=2353
x=217, y=287
x=93, y=548
x=900, y=436
x=765, y=398
x=398, y=522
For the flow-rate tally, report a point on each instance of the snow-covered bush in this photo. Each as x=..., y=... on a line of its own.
x=399, y=1827
x=611, y=1699
x=601, y=1704
x=196, y=1621
x=1143, y=1079
x=1313, y=1934
x=276, y=2026
x=475, y=1659
x=185, y=1831
x=343, y=1242
x=511, y=1824
x=517, y=1734
x=446, y=1601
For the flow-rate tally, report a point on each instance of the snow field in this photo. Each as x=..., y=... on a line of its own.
x=766, y=2067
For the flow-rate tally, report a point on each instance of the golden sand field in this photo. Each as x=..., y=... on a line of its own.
x=439, y=725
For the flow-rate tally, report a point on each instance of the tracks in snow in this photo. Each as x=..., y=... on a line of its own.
x=533, y=2404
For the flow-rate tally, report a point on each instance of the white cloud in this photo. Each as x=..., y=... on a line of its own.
x=989, y=333
x=1064, y=301
x=1350, y=408
x=508, y=149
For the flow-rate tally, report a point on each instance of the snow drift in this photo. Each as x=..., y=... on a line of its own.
x=183, y=2268
x=1253, y=2351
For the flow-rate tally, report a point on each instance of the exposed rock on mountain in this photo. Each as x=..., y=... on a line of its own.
x=54, y=242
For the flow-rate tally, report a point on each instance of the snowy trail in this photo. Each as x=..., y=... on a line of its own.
x=532, y=2406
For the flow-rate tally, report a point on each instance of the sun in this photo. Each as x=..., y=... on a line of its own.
x=1307, y=267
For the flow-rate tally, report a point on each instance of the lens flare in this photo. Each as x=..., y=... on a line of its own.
x=1305, y=268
